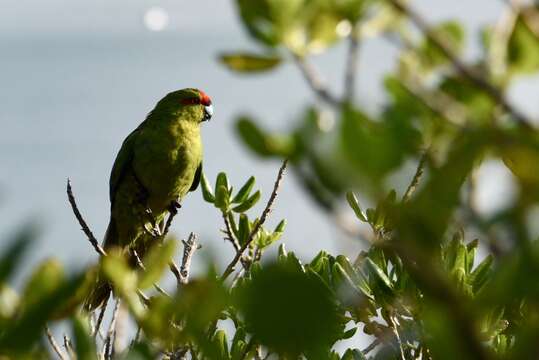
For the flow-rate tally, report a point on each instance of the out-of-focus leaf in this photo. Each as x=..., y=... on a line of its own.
x=289, y=311
x=84, y=343
x=155, y=262
x=452, y=34
x=479, y=105
x=523, y=46
x=244, y=192
x=221, y=345
x=26, y=330
x=374, y=148
x=123, y=278
x=46, y=278
x=247, y=204
x=262, y=143
x=13, y=253
x=481, y=273
x=245, y=62
x=354, y=354
x=9, y=302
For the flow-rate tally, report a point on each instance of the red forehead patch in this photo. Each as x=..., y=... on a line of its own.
x=204, y=98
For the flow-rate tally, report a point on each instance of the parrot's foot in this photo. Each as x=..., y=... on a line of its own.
x=174, y=207
x=153, y=230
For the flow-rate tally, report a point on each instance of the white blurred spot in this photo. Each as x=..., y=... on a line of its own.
x=495, y=187
x=156, y=19
x=326, y=121
x=343, y=28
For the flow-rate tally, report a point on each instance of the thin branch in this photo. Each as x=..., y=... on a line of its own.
x=81, y=221
x=254, y=232
x=313, y=79
x=100, y=319
x=54, y=344
x=371, y=347
x=351, y=65
x=69, y=347
x=229, y=234
x=189, y=248
x=415, y=181
x=109, y=342
x=460, y=66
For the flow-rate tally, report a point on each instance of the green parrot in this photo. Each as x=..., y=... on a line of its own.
x=157, y=165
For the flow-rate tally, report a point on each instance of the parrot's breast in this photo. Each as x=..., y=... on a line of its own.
x=168, y=165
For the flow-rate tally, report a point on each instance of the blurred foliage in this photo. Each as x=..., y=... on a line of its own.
x=437, y=279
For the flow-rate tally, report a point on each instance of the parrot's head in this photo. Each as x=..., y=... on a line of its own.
x=191, y=105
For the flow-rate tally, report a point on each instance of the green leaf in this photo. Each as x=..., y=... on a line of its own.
x=221, y=345
x=354, y=204
x=13, y=253
x=9, y=303
x=357, y=278
x=470, y=258
x=354, y=354
x=244, y=62
x=222, y=198
x=523, y=46
x=27, y=329
x=280, y=226
x=481, y=274
x=207, y=194
x=155, y=263
x=244, y=192
x=289, y=311
x=244, y=229
x=84, y=343
x=124, y=280
x=46, y=278
x=452, y=34
x=247, y=204
x=378, y=274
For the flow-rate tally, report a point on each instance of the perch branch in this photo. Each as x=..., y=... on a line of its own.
x=81, y=221
x=229, y=234
x=109, y=343
x=254, y=232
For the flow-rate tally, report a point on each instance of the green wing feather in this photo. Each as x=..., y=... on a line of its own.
x=123, y=162
x=196, y=179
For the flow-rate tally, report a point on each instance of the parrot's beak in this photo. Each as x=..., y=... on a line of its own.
x=208, y=112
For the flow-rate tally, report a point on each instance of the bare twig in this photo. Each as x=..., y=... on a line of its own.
x=229, y=234
x=313, y=79
x=415, y=181
x=351, y=65
x=108, y=351
x=460, y=66
x=54, y=344
x=69, y=347
x=189, y=248
x=371, y=347
x=81, y=221
x=254, y=232
x=100, y=319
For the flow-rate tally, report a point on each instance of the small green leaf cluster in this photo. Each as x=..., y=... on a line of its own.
x=233, y=206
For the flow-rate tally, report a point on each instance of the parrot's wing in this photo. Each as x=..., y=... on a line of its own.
x=196, y=179
x=123, y=163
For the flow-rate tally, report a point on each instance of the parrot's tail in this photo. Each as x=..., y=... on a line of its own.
x=100, y=293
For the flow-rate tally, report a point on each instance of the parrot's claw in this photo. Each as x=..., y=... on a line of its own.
x=174, y=207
